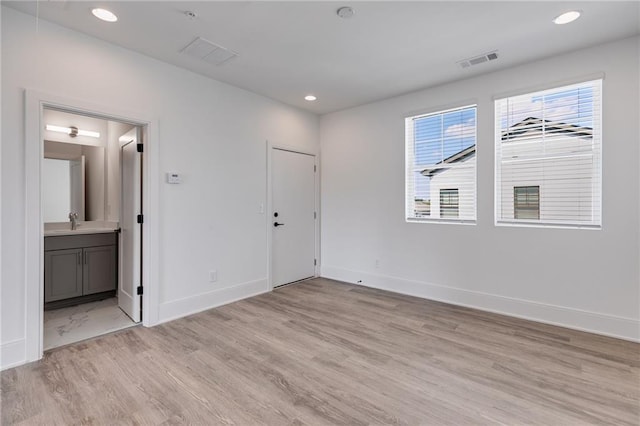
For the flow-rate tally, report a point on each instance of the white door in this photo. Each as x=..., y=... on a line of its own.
x=293, y=216
x=131, y=230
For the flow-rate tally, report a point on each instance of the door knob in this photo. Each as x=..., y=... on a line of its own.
x=276, y=224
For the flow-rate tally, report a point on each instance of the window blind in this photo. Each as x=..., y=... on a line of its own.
x=552, y=140
x=441, y=161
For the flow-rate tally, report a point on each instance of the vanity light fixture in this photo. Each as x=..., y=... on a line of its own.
x=566, y=17
x=104, y=14
x=72, y=131
x=310, y=98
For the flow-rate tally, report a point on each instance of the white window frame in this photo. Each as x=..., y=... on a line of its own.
x=597, y=138
x=409, y=168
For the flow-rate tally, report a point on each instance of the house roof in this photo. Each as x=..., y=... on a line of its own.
x=532, y=126
x=529, y=127
x=458, y=156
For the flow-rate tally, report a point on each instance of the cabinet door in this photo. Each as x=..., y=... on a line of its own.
x=62, y=274
x=99, y=269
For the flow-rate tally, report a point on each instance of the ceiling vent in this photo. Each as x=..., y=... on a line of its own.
x=477, y=60
x=209, y=52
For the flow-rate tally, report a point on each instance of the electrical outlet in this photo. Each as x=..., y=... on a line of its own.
x=213, y=276
x=377, y=263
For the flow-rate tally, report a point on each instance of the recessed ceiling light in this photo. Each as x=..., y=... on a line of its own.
x=567, y=17
x=104, y=14
x=310, y=98
x=345, y=12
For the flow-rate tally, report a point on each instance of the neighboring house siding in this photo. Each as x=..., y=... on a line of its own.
x=565, y=183
x=461, y=178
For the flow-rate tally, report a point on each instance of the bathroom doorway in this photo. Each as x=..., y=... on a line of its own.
x=91, y=198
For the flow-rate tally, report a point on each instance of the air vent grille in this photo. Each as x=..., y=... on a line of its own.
x=209, y=52
x=477, y=60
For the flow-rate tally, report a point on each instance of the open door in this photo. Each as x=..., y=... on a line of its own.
x=130, y=283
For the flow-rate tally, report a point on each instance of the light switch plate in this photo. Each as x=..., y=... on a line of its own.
x=174, y=178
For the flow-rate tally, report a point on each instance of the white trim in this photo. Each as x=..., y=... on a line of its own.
x=597, y=154
x=448, y=107
x=175, y=309
x=35, y=101
x=410, y=168
x=270, y=147
x=12, y=354
x=577, y=319
x=441, y=221
x=548, y=86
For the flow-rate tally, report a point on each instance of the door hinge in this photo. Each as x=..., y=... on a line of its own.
x=314, y=167
x=140, y=147
x=314, y=215
x=315, y=262
x=140, y=218
x=139, y=290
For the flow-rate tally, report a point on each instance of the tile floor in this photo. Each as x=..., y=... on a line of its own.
x=76, y=323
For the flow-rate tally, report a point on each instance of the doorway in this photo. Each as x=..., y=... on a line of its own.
x=293, y=216
x=35, y=104
x=91, y=201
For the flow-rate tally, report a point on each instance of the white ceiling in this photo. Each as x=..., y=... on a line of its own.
x=289, y=49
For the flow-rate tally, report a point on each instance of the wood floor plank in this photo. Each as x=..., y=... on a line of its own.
x=322, y=352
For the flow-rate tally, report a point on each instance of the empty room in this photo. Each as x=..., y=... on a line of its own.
x=320, y=213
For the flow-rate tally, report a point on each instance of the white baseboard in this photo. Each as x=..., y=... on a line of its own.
x=607, y=325
x=201, y=302
x=12, y=354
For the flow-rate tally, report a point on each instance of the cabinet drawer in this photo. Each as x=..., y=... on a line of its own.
x=85, y=240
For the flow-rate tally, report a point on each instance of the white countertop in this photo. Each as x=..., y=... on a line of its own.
x=64, y=228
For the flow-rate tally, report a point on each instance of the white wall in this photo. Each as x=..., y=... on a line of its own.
x=212, y=133
x=580, y=278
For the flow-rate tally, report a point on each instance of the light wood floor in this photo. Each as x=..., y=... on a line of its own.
x=322, y=352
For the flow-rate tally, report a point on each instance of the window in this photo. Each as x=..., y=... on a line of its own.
x=449, y=203
x=440, y=155
x=526, y=202
x=548, y=157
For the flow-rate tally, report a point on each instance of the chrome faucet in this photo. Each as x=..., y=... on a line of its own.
x=73, y=217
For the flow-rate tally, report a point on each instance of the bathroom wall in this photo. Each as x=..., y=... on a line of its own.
x=212, y=133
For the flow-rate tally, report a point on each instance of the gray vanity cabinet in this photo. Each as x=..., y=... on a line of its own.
x=99, y=269
x=80, y=265
x=63, y=274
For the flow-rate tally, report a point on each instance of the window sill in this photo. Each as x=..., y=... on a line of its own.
x=442, y=221
x=556, y=225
